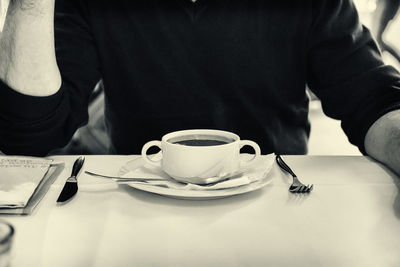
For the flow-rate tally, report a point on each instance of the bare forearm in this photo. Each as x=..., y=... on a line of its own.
x=382, y=141
x=27, y=52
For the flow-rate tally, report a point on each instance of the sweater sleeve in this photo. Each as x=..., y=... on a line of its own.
x=346, y=70
x=31, y=125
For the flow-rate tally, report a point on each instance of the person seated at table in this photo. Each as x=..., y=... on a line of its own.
x=236, y=65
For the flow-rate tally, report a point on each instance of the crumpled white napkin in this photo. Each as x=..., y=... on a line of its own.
x=19, y=178
x=137, y=168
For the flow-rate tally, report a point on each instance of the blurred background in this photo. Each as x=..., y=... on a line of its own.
x=327, y=138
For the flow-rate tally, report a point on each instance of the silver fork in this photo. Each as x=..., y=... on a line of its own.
x=296, y=186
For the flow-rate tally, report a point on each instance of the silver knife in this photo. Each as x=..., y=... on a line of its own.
x=71, y=185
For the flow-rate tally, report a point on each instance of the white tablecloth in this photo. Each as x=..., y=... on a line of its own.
x=352, y=218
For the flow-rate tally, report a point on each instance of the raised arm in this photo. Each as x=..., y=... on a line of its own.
x=48, y=68
x=27, y=52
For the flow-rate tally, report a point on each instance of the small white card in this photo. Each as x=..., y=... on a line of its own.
x=19, y=178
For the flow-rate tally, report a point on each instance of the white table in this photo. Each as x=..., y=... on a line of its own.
x=352, y=218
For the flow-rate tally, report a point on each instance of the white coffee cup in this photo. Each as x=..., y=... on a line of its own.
x=195, y=155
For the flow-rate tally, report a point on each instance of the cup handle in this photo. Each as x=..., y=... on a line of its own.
x=256, y=147
x=146, y=147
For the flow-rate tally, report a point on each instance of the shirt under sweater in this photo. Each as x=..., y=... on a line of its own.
x=241, y=66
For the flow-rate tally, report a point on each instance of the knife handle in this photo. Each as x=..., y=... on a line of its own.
x=77, y=166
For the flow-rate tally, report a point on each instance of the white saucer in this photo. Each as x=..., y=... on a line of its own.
x=259, y=175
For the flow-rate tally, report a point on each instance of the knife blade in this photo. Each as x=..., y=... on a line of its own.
x=71, y=185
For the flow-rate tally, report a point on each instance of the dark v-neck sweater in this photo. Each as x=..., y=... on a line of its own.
x=235, y=65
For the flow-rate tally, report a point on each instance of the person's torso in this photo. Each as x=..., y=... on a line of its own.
x=232, y=65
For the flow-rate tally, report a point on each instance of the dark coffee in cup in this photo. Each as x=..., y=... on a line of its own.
x=201, y=140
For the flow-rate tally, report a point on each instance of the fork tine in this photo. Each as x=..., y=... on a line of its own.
x=307, y=189
x=293, y=189
x=299, y=189
x=311, y=188
x=304, y=189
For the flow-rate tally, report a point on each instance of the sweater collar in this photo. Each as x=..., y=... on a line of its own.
x=194, y=8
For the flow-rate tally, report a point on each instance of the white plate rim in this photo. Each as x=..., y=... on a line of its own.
x=204, y=194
